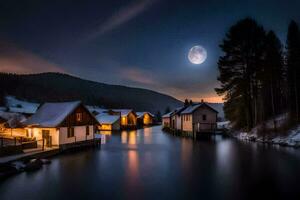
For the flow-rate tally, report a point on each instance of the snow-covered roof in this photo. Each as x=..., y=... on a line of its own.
x=167, y=114
x=141, y=114
x=96, y=109
x=18, y=106
x=107, y=119
x=190, y=109
x=124, y=112
x=52, y=114
x=177, y=110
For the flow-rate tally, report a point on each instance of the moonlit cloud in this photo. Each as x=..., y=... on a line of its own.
x=137, y=75
x=122, y=16
x=175, y=86
x=16, y=60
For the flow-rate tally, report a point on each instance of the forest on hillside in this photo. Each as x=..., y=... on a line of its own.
x=56, y=87
x=259, y=76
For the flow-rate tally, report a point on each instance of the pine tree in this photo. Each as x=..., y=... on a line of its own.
x=271, y=78
x=293, y=70
x=158, y=116
x=239, y=68
x=167, y=110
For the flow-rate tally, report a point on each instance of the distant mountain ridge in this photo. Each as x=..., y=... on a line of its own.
x=56, y=87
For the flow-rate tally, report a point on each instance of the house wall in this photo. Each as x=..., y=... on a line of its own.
x=147, y=119
x=131, y=119
x=211, y=118
x=166, y=122
x=105, y=127
x=37, y=133
x=79, y=134
x=187, y=122
x=173, y=122
x=178, y=122
x=87, y=118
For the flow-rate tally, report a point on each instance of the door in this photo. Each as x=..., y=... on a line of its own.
x=47, y=138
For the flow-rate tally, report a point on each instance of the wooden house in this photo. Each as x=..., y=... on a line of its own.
x=128, y=118
x=59, y=124
x=108, y=122
x=199, y=118
x=144, y=118
x=166, y=120
x=176, y=118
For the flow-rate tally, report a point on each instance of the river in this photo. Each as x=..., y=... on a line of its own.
x=150, y=164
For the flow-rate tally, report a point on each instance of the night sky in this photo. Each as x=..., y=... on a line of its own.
x=134, y=43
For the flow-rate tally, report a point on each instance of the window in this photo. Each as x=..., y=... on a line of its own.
x=204, y=117
x=79, y=117
x=87, y=130
x=70, y=132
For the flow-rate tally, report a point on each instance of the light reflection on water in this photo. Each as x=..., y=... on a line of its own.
x=147, y=163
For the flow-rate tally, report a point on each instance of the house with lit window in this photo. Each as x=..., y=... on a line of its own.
x=175, y=118
x=108, y=122
x=59, y=124
x=199, y=118
x=128, y=118
x=144, y=118
x=166, y=120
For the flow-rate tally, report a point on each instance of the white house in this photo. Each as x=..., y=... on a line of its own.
x=166, y=120
x=199, y=118
x=176, y=118
x=60, y=124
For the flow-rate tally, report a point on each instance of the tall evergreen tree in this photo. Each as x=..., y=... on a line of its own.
x=239, y=67
x=271, y=78
x=293, y=70
x=167, y=110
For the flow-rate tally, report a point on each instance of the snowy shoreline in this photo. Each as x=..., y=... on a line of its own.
x=292, y=139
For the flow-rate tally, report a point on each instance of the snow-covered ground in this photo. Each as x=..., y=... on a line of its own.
x=222, y=125
x=291, y=138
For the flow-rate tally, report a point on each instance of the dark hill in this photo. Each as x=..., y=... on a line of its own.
x=51, y=87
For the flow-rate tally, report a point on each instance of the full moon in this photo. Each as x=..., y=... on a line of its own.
x=197, y=55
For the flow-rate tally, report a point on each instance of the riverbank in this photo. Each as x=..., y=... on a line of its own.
x=291, y=138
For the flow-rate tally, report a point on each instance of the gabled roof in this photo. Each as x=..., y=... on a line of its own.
x=190, y=109
x=104, y=118
x=141, y=114
x=96, y=109
x=52, y=114
x=178, y=111
x=167, y=114
x=124, y=112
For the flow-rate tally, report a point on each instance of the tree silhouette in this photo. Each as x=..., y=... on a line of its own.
x=293, y=69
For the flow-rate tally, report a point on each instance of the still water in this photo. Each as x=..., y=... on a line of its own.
x=149, y=164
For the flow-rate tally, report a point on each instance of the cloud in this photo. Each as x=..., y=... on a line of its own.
x=122, y=16
x=177, y=86
x=137, y=76
x=17, y=60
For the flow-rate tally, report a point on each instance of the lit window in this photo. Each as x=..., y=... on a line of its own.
x=79, y=117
